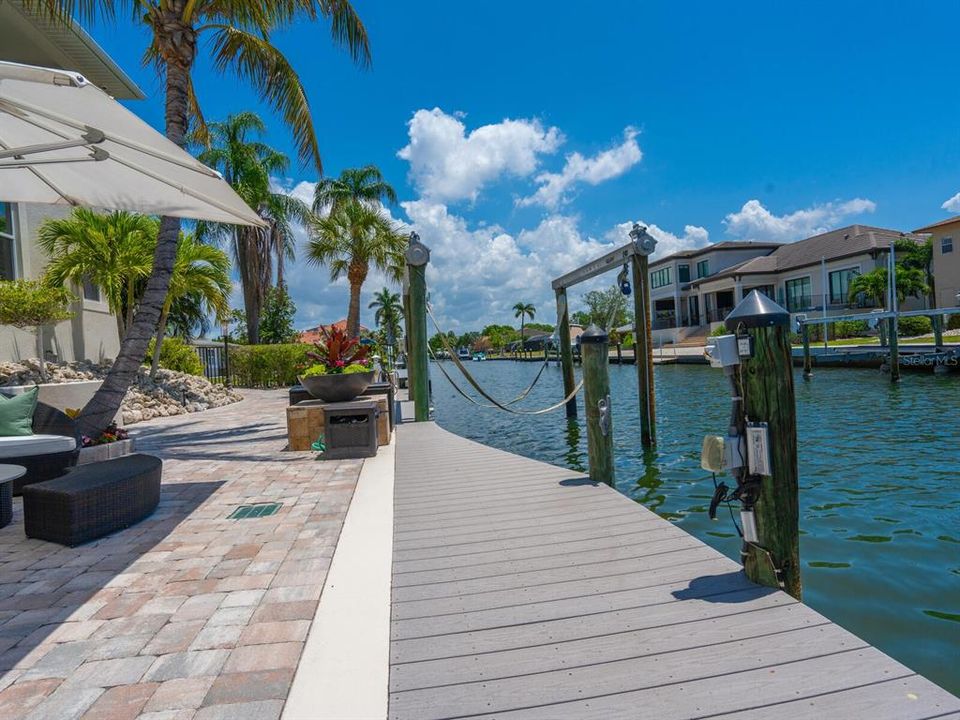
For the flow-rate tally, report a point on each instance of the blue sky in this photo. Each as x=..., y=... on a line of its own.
x=536, y=130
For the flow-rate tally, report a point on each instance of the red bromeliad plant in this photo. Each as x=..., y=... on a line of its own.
x=339, y=353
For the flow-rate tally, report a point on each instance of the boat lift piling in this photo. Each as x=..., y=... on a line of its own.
x=636, y=254
x=595, y=347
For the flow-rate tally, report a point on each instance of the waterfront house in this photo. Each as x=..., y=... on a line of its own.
x=315, y=334
x=30, y=37
x=693, y=291
x=946, y=260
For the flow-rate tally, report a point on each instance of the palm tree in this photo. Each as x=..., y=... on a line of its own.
x=523, y=311
x=389, y=313
x=873, y=284
x=365, y=185
x=201, y=272
x=113, y=251
x=248, y=164
x=349, y=241
x=239, y=41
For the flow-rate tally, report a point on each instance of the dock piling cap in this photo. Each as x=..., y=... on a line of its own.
x=757, y=310
x=594, y=335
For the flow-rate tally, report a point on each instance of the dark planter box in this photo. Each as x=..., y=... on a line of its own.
x=350, y=430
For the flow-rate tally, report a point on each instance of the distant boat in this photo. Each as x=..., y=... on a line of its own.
x=480, y=356
x=464, y=354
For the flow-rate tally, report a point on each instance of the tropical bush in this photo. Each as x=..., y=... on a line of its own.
x=912, y=326
x=267, y=365
x=176, y=355
x=849, y=329
x=338, y=351
x=28, y=304
x=953, y=322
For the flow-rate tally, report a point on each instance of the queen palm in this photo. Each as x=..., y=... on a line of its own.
x=201, y=272
x=248, y=164
x=240, y=46
x=388, y=313
x=349, y=241
x=113, y=251
x=523, y=311
x=364, y=185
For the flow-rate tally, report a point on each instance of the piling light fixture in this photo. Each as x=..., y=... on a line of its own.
x=417, y=253
x=623, y=282
x=756, y=310
x=594, y=335
x=644, y=241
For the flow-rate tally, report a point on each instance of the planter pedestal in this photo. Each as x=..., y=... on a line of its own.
x=305, y=422
x=107, y=451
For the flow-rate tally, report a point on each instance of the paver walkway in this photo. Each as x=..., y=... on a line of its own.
x=186, y=615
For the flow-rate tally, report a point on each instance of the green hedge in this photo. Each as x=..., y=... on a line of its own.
x=267, y=365
x=913, y=326
x=176, y=355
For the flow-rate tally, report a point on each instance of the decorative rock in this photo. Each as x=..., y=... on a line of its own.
x=170, y=393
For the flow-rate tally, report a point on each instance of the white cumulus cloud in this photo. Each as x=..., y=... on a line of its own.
x=755, y=222
x=447, y=163
x=693, y=237
x=953, y=204
x=603, y=166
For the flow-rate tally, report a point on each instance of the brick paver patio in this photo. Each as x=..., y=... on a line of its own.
x=187, y=615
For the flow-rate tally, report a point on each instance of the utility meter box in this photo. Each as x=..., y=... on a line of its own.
x=723, y=351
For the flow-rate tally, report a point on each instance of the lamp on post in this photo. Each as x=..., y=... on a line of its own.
x=225, y=327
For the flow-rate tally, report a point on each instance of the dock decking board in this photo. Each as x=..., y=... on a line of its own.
x=522, y=591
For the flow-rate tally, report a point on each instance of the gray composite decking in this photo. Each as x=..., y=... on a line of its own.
x=521, y=590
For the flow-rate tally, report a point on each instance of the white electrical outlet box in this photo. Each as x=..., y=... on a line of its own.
x=722, y=351
x=749, y=522
x=758, y=449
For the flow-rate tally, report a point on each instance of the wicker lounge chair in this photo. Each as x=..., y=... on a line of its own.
x=48, y=453
x=92, y=500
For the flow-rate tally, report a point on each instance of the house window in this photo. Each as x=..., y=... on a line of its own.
x=840, y=285
x=8, y=243
x=660, y=278
x=798, y=294
x=703, y=268
x=90, y=290
x=683, y=273
x=946, y=245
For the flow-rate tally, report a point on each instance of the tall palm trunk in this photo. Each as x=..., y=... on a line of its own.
x=177, y=44
x=158, y=338
x=356, y=274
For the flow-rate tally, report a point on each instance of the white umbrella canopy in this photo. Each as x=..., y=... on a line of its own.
x=64, y=141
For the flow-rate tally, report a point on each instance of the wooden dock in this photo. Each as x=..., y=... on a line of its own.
x=521, y=590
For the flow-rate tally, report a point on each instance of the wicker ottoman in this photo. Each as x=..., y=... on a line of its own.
x=92, y=500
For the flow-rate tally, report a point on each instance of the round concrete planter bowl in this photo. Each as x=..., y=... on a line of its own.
x=337, y=388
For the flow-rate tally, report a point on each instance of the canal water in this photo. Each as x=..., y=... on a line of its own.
x=879, y=484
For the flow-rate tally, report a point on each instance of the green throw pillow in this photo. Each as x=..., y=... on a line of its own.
x=16, y=413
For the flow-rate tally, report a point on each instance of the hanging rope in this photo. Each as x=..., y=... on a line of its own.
x=476, y=386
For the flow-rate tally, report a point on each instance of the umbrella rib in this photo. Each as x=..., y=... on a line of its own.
x=44, y=180
x=185, y=190
x=194, y=166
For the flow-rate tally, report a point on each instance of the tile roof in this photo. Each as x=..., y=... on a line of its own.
x=725, y=245
x=948, y=221
x=315, y=334
x=843, y=242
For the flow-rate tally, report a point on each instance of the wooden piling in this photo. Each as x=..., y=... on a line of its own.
x=894, y=350
x=595, y=349
x=937, y=331
x=643, y=350
x=566, y=351
x=807, y=360
x=765, y=384
x=417, y=363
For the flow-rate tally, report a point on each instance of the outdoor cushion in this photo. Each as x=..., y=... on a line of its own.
x=25, y=445
x=16, y=413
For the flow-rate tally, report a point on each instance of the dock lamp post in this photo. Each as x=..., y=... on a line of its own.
x=643, y=345
x=225, y=327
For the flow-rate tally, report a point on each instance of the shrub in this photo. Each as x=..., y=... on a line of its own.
x=315, y=370
x=176, y=355
x=719, y=330
x=911, y=326
x=849, y=328
x=267, y=365
x=953, y=322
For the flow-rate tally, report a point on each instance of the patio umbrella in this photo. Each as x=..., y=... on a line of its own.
x=64, y=141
